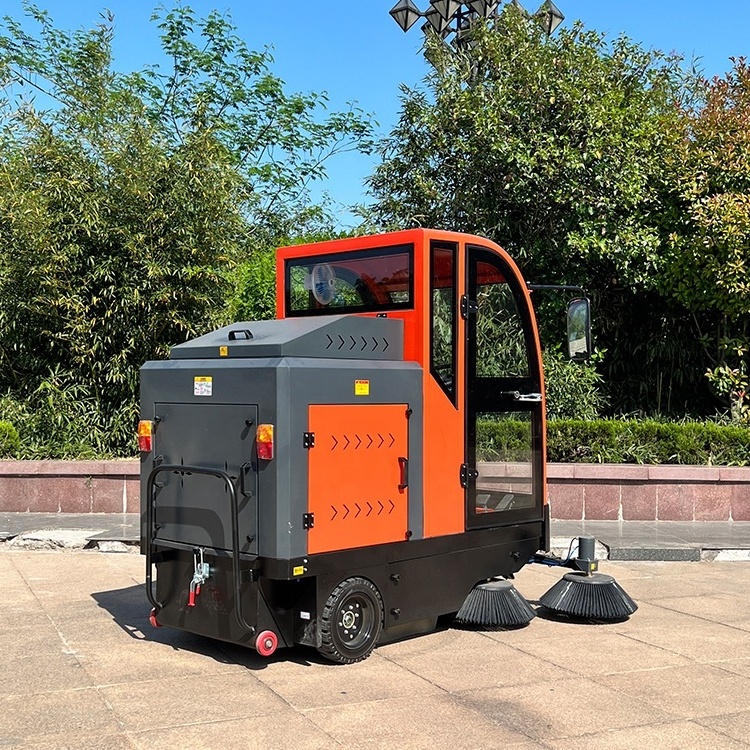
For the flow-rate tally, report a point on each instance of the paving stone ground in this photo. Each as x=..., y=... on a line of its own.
x=82, y=669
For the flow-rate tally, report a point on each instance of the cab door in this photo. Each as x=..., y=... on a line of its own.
x=503, y=474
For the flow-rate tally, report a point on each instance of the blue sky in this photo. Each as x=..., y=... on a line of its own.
x=354, y=50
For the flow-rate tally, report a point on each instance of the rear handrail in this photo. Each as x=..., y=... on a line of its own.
x=150, y=508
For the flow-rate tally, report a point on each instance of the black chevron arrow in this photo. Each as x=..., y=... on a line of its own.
x=359, y=509
x=348, y=442
x=386, y=344
x=335, y=512
x=370, y=443
x=375, y=346
x=393, y=507
x=347, y=511
x=382, y=440
x=341, y=339
x=364, y=343
x=335, y=442
x=330, y=341
x=393, y=440
x=371, y=509
x=359, y=442
x=382, y=507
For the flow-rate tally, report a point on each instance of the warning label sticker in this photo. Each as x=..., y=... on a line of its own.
x=203, y=386
x=361, y=387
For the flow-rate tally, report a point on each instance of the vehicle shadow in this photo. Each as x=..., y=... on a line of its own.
x=130, y=610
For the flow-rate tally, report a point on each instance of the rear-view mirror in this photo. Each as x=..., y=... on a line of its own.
x=579, y=329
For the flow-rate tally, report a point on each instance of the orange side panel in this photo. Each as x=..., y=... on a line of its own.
x=354, y=475
x=444, y=504
x=444, y=497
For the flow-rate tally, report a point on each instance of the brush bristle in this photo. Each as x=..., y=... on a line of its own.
x=590, y=597
x=496, y=604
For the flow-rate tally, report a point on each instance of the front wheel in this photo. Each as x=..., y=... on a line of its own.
x=351, y=622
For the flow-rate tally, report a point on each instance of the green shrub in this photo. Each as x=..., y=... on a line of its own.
x=254, y=282
x=9, y=440
x=578, y=441
x=573, y=389
x=647, y=442
x=62, y=421
x=504, y=440
x=623, y=441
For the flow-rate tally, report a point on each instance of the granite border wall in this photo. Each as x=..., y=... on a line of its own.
x=605, y=492
x=576, y=491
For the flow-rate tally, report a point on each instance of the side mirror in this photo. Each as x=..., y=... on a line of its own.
x=579, y=329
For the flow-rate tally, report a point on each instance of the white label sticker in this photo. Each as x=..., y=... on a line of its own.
x=203, y=386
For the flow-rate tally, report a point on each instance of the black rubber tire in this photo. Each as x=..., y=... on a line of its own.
x=351, y=622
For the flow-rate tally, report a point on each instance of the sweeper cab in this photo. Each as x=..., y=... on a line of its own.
x=346, y=474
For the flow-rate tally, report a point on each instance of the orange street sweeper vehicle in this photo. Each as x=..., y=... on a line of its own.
x=348, y=473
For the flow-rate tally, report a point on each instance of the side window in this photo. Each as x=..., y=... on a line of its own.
x=443, y=328
x=501, y=342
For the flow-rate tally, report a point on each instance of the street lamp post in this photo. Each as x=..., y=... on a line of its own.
x=450, y=17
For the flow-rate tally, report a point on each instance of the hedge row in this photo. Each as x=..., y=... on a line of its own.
x=620, y=441
x=577, y=441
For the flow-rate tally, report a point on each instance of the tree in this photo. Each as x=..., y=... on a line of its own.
x=560, y=150
x=126, y=197
x=708, y=267
x=553, y=146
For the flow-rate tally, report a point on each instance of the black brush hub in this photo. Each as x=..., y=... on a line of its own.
x=495, y=604
x=586, y=560
x=593, y=596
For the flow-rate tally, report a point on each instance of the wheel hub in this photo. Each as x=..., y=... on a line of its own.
x=351, y=620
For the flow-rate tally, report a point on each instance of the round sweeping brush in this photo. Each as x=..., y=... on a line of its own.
x=495, y=604
x=593, y=596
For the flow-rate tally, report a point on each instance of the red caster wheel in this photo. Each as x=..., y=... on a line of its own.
x=266, y=643
x=152, y=619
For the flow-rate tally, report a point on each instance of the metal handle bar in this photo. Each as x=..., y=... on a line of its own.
x=240, y=334
x=403, y=463
x=529, y=397
x=533, y=398
x=150, y=507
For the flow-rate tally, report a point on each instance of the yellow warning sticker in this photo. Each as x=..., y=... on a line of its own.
x=361, y=387
x=298, y=570
x=223, y=351
x=203, y=386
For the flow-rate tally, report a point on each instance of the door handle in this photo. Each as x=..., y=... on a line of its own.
x=404, y=466
x=533, y=398
x=244, y=491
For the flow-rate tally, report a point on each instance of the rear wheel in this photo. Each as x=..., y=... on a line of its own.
x=351, y=622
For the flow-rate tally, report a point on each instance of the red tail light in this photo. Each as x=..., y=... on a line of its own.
x=264, y=441
x=145, y=435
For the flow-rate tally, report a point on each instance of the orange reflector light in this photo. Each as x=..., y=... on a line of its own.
x=145, y=435
x=264, y=441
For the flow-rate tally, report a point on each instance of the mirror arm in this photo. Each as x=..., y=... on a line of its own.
x=556, y=288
